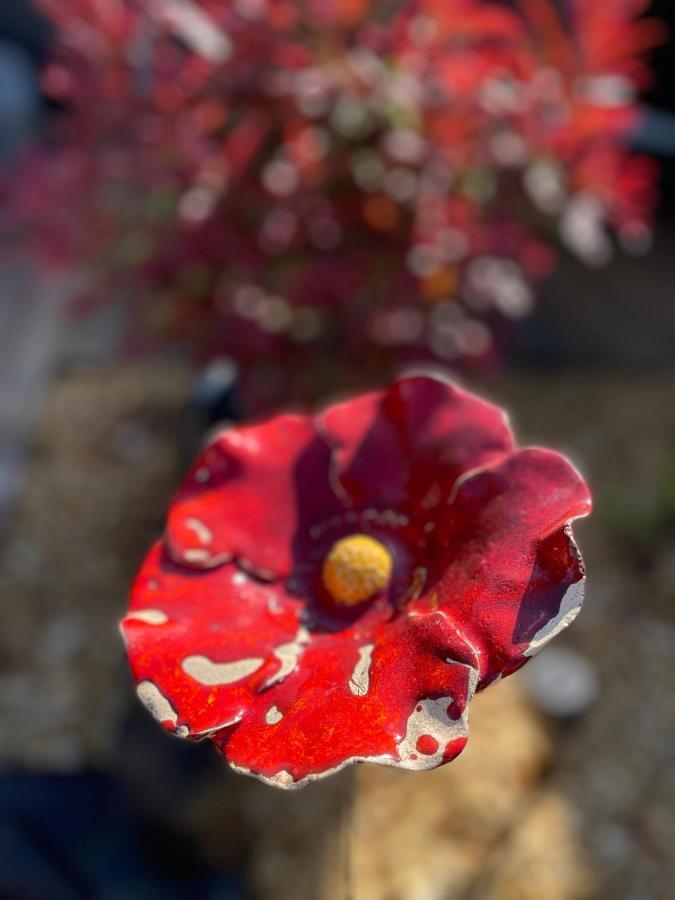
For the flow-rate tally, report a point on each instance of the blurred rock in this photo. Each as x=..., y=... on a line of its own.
x=561, y=682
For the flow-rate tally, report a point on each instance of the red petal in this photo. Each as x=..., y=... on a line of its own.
x=348, y=702
x=201, y=644
x=392, y=447
x=250, y=494
x=510, y=575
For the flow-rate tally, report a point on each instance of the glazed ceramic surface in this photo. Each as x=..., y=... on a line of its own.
x=240, y=630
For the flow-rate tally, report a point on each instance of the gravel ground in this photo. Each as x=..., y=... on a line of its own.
x=562, y=793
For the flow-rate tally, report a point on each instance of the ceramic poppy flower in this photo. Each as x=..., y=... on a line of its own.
x=334, y=589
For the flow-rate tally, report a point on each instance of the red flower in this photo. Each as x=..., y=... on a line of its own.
x=333, y=590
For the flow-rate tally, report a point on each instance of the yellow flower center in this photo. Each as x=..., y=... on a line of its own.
x=357, y=567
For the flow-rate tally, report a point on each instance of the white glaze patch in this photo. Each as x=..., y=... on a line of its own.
x=203, y=670
x=360, y=680
x=202, y=533
x=203, y=558
x=285, y=781
x=273, y=715
x=430, y=719
x=182, y=731
x=244, y=441
x=569, y=610
x=155, y=702
x=288, y=655
x=274, y=606
x=214, y=728
x=196, y=554
x=149, y=616
x=282, y=779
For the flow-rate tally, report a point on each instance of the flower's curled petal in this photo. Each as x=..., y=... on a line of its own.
x=508, y=573
x=249, y=496
x=369, y=460
x=406, y=447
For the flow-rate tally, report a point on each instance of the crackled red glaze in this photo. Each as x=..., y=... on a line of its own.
x=231, y=633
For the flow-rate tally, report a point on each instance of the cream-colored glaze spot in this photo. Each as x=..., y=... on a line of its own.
x=149, y=616
x=273, y=715
x=196, y=554
x=384, y=760
x=288, y=655
x=182, y=731
x=203, y=670
x=430, y=717
x=203, y=534
x=274, y=606
x=245, y=441
x=155, y=702
x=282, y=779
x=360, y=680
x=203, y=558
x=569, y=610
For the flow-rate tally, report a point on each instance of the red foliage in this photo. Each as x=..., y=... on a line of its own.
x=264, y=174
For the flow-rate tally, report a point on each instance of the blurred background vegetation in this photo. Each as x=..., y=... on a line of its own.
x=566, y=789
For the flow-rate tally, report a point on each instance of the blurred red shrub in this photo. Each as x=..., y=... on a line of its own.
x=268, y=175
